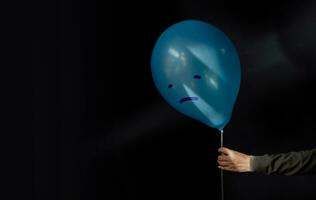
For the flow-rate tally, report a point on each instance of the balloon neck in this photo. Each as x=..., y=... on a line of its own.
x=221, y=130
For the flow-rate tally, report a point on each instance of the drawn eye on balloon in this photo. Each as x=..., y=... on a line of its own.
x=197, y=77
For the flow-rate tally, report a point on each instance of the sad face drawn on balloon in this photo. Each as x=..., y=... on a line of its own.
x=186, y=99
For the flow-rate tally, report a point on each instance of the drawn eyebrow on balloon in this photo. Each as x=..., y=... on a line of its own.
x=197, y=76
x=170, y=86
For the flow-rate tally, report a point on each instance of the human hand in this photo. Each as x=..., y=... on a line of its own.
x=234, y=161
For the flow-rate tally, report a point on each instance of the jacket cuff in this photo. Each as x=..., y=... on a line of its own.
x=259, y=163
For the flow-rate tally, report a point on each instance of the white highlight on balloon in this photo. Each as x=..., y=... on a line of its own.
x=213, y=82
x=174, y=52
x=177, y=54
x=177, y=61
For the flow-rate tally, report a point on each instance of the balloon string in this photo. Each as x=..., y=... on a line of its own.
x=222, y=172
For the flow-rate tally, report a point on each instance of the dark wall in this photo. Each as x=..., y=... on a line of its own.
x=86, y=121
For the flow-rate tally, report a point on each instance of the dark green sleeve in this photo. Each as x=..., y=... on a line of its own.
x=292, y=163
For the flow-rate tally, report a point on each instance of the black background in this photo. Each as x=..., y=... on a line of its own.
x=86, y=121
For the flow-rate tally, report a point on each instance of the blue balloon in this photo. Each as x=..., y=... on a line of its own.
x=196, y=69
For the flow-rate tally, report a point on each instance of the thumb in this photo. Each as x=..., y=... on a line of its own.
x=224, y=150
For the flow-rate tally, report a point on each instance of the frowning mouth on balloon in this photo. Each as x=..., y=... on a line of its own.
x=185, y=99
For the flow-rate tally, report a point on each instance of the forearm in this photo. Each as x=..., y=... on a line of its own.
x=292, y=163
